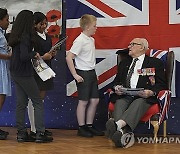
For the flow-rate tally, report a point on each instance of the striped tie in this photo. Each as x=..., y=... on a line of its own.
x=129, y=75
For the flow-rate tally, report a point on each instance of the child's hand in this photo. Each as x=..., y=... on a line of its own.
x=78, y=78
x=53, y=53
x=47, y=56
x=37, y=56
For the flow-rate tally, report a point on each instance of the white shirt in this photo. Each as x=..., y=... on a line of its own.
x=135, y=75
x=84, y=49
x=42, y=35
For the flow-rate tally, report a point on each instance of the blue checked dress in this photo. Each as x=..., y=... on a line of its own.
x=5, y=81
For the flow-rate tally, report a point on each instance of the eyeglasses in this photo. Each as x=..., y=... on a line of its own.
x=133, y=44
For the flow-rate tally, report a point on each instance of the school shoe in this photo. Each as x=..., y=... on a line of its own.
x=22, y=136
x=41, y=137
x=116, y=138
x=3, y=132
x=32, y=136
x=111, y=128
x=3, y=135
x=84, y=132
x=95, y=132
x=48, y=133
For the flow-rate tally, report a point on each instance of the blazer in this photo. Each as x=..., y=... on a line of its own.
x=155, y=82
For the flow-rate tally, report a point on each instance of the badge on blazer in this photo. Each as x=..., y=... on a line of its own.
x=146, y=71
x=152, y=80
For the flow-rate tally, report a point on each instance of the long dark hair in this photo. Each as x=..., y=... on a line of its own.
x=3, y=13
x=39, y=17
x=23, y=25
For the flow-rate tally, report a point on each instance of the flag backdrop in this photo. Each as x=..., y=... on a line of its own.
x=119, y=21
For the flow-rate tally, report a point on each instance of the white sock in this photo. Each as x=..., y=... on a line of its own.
x=31, y=115
x=120, y=124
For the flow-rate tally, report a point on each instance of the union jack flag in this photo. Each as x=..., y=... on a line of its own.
x=118, y=22
x=164, y=95
x=164, y=102
x=160, y=54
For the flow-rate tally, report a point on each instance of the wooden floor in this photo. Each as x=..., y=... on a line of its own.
x=67, y=142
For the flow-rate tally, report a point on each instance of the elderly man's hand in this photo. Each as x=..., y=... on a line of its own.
x=146, y=93
x=118, y=90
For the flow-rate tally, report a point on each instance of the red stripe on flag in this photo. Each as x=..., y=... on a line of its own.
x=157, y=53
x=72, y=33
x=108, y=74
x=119, y=37
x=105, y=8
x=75, y=94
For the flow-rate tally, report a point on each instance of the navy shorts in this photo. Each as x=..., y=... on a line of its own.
x=89, y=88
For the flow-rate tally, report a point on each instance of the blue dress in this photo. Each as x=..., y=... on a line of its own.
x=5, y=80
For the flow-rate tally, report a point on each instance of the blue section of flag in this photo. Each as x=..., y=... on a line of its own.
x=98, y=60
x=75, y=9
x=163, y=58
x=177, y=4
x=136, y=3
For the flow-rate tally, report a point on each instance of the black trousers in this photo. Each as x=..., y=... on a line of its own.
x=26, y=88
x=130, y=109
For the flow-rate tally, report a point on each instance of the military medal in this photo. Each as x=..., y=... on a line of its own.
x=152, y=80
x=146, y=71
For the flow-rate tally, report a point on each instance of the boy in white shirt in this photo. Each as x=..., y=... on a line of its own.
x=83, y=71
